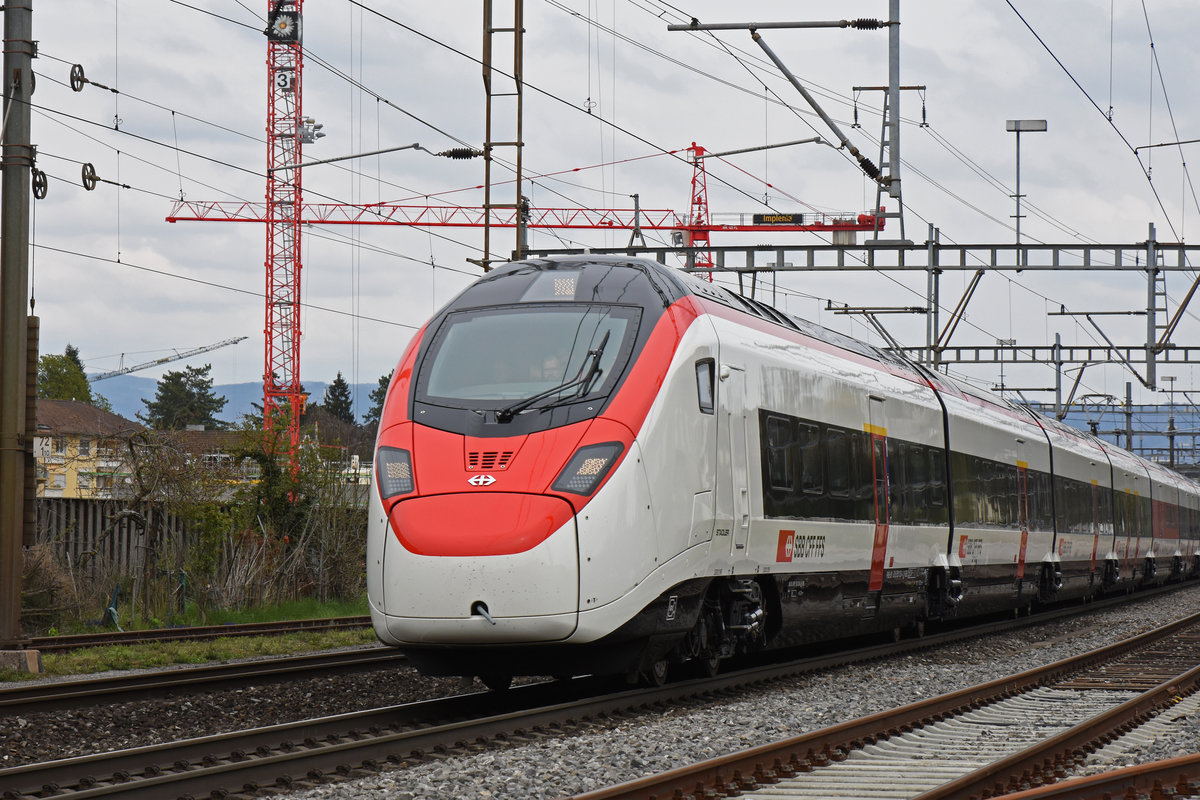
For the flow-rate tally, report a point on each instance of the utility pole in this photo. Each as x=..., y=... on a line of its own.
x=19, y=50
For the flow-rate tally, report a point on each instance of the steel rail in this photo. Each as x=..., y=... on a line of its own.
x=47, y=644
x=25, y=699
x=1045, y=762
x=348, y=743
x=81, y=772
x=1157, y=780
x=747, y=770
x=278, y=753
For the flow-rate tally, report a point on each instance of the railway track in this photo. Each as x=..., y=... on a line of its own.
x=296, y=753
x=1172, y=779
x=57, y=644
x=1006, y=736
x=27, y=698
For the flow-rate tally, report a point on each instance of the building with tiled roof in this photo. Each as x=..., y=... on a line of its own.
x=81, y=450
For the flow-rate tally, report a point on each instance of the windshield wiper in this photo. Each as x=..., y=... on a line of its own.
x=589, y=370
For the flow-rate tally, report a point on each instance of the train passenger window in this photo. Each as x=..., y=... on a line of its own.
x=937, y=478
x=779, y=439
x=812, y=479
x=837, y=463
x=706, y=385
x=1013, y=509
x=898, y=480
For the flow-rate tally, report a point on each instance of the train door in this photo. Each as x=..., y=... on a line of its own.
x=879, y=473
x=735, y=483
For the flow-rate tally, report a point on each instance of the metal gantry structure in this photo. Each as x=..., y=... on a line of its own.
x=757, y=267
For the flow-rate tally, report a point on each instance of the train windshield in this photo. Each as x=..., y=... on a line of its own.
x=544, y=354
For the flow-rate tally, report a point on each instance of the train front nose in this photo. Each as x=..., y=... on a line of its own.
x=480, y=568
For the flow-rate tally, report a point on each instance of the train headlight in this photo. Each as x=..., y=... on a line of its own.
x=393, y=467
x=587, y=468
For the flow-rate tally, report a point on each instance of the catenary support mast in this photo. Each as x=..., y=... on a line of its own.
x=19, y=49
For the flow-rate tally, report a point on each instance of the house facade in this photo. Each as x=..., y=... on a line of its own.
x=80, y=450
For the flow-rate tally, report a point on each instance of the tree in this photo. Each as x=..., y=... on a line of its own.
x=337, y=401
x=182, y=398
x=62, y=378
x=377, y=396
x=72, y=352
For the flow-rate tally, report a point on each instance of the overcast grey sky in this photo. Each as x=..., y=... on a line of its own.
x=607, y=85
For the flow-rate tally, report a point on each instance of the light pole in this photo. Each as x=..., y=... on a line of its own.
x=1019, y=126
x=1170, y=379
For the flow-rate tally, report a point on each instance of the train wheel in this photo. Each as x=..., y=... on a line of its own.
x=658, y=672
x=710, y=664
x=497, y=682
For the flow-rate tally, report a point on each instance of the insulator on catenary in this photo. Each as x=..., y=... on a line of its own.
x=460, y=153
x=866, y=24
x=869, y=168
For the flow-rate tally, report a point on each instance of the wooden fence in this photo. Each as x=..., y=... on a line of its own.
x=85, y=532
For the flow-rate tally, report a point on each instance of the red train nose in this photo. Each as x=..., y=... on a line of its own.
x=477, y=524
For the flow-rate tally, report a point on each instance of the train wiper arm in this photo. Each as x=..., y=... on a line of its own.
x=588, y=371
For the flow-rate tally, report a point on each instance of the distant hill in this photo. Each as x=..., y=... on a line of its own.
x=126, y=393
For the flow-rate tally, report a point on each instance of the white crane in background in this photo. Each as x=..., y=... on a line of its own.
x=164, y=360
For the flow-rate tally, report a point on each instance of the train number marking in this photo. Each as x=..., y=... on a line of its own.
x=672, y=606
x=793, y=547
x=970, y=548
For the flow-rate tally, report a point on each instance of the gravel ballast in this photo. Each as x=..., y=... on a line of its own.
x=63, y=733
x=606, y=755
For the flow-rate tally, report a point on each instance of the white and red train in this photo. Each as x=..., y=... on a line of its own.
x=600, y=464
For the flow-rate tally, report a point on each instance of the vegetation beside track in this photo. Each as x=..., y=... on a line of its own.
x=152, y=655
x=304, y=608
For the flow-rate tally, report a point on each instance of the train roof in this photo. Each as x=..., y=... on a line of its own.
x=673, y=282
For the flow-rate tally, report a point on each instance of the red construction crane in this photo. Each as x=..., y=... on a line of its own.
x=286, y=129
x=696, y=233
x=545, y=218
x=284, y=212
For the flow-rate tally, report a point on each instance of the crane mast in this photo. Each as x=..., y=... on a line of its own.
x=285, y=133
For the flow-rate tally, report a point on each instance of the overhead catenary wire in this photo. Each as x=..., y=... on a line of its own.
x=213, y=284
x=177, y=151
x=1116, y=129
x=909, y=289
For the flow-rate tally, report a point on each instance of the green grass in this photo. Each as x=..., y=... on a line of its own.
x=161, y=654
x=296, y=609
